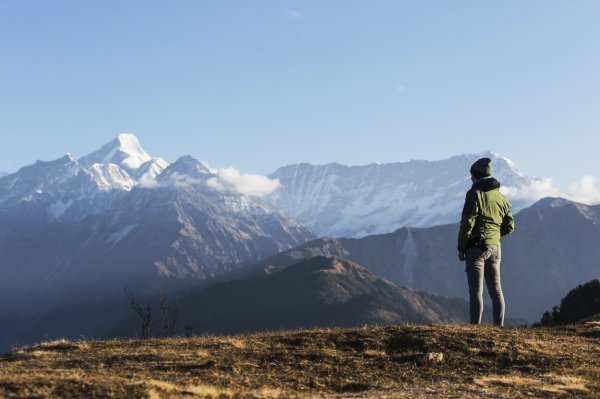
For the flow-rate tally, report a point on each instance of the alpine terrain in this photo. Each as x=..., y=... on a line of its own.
x=553, y=249
x=354, y=201
x=74, y=232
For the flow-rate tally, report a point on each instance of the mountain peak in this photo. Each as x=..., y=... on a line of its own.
x=188, y=165
x=552, y=202
x=125, y=150
x=129, y=141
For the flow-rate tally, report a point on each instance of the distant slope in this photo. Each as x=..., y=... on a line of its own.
x=555, y=247
x=316, y=292
x=355, y=201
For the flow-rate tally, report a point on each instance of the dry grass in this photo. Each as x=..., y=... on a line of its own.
x=383, y=362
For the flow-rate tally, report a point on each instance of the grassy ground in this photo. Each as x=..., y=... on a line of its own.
x=383, y=362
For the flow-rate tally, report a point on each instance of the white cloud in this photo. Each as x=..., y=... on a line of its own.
x=225, y=179
x=147, y=181
x=295, y=14
x=181, y=180
x=400, y=88
x=175, y=180
x=583, y=190
x=536, y=190
x=245, y=183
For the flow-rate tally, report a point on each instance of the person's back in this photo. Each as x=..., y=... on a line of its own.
x=485, y=218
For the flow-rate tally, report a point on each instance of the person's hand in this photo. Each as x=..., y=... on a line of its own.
x=461, y=256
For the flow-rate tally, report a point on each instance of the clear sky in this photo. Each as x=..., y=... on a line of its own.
x=260, y=84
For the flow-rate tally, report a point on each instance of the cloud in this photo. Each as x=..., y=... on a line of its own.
x=224, y=180
x=583, y=190
x=245, y=183
x=400, y=88
x=147, y=181
x=295, y=14
x=178, y=180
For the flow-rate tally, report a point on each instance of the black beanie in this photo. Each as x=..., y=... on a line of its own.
x=482, y=168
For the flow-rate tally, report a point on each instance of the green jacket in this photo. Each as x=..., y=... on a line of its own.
x=486, y=211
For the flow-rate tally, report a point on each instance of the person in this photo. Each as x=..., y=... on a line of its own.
x=486, y=217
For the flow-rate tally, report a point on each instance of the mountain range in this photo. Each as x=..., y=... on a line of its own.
x=552, y=250
x=120, y=205
x=75, y=232
x=355, y=201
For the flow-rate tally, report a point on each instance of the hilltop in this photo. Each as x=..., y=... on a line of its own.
x=316, y=292
x=386, y=362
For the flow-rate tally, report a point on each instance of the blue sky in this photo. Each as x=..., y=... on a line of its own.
x=260, y=84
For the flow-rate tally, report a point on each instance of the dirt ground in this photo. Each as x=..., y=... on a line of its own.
x=439, y=361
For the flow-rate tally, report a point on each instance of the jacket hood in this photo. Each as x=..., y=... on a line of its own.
x=487, y=184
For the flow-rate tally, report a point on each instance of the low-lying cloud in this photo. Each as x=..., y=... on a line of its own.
x=231, y=179
x=148, y=182
x=583, y=190
x=223, y=180
x=178, y=180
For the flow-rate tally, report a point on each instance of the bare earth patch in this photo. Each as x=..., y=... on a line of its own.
x=440, y=361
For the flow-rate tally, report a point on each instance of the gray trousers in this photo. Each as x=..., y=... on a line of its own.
x=486, y=264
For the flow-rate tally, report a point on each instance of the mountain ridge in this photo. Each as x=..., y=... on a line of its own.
x=551, y=251
x=355, y=201
x=314, y=292
x=70, y=232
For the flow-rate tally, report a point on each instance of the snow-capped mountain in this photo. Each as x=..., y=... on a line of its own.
x=117, y=187
x=119, y=165
x=85, y=228
x=125, y=150
x=122, y=164
x=355, y=201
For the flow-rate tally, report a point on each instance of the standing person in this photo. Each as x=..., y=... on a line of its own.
x=486, y=217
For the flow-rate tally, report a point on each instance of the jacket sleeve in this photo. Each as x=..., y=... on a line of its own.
x=508, y=223
x=467, y=221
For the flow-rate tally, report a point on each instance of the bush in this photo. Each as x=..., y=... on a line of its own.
x=581, y=302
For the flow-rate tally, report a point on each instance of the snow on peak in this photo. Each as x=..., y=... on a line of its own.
x=125, y=150
x=41, y=177
x=111, y=176
x=190, y=166
x=343, y=201
x=147, y=173
x=511, y=165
